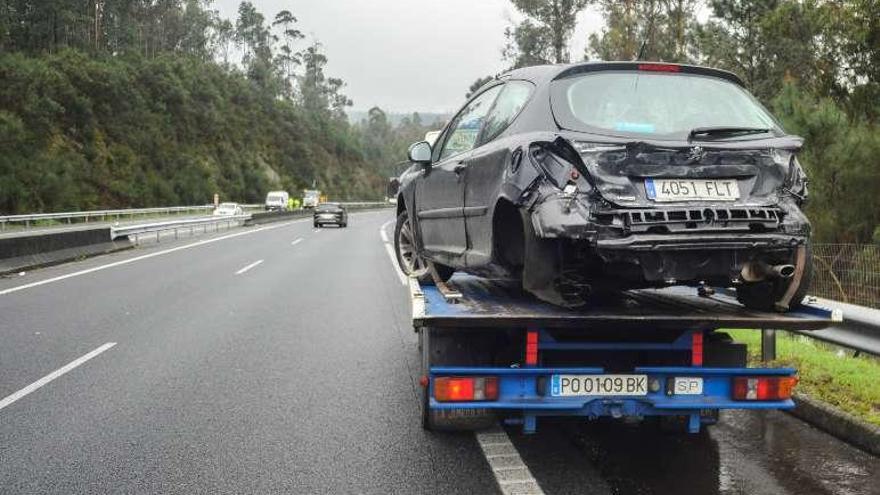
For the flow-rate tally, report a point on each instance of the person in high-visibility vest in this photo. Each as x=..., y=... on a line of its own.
x=290, y=204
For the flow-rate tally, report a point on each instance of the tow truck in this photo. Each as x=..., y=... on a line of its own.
x=489, y=351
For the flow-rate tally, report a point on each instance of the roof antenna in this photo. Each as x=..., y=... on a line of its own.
x=647, y=38
x=642, y=49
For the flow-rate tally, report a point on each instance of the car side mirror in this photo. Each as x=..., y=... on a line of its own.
x=420, y=153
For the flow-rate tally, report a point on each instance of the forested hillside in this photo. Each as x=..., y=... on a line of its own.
x=130, y=103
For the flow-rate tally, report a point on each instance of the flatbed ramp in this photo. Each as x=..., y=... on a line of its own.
x=489, y=303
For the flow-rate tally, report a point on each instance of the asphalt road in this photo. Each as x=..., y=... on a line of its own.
x=280, y=359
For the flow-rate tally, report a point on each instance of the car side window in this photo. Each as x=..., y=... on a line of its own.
x=511, y=100
x=465, y=129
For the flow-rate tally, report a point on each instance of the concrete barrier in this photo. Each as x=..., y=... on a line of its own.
x=35, y=250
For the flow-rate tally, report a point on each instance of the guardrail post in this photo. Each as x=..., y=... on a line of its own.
x=768, y=345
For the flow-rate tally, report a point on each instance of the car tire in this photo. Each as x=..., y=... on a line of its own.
x=763, y=295
x=408, y=259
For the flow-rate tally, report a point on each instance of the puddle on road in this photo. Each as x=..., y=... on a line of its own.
x=748, y=452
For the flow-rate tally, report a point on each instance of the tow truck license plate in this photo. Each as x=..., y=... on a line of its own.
x=601, y=385
x=692, y=189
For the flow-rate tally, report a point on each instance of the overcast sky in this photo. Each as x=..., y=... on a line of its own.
x=406, y=55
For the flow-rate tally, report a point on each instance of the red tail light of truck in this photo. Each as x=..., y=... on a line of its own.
x=465, y=389
x=763, y=387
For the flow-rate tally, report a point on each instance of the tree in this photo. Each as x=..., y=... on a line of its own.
x=526, y=45
x=289, y=59
x=555, y=20
x=650, y=29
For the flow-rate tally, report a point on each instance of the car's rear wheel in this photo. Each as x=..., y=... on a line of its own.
x=764, y=295
x=408, y=257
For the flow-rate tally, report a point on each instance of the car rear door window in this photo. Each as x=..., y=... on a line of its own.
x=467, y=124
x=511, y=100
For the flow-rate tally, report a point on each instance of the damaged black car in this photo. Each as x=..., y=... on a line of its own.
x=583, y=180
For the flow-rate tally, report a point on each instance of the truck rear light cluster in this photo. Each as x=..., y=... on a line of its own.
x=465, y=389
x=763, y=387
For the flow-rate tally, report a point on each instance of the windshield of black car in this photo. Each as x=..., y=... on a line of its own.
x=330, y=208
x=656, y=105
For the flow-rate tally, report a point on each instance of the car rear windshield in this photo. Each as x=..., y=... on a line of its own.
x=329, y=207
x=659, y=105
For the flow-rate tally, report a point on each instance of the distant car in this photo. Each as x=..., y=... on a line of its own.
x=330, y=213
x=277, y=201
x=228, y=210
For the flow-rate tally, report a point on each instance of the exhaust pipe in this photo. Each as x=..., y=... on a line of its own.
x=756, y=271
x=782, y=271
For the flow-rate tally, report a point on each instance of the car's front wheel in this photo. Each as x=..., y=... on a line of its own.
x=765, y=295
x=408, y=257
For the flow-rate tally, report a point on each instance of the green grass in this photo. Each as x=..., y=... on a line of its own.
x=826, y=372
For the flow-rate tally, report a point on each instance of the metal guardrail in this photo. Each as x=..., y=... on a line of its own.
x=192, y=223
x=68, y=216
x=176, y=225
x=858, y=329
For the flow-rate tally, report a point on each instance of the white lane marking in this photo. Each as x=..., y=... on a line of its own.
x=53, y=375
x=511, y=473
x=139, y=258
x=255, y=263
x=382, y=231
x=390, y=251
x=317, y=230
x=297, y=241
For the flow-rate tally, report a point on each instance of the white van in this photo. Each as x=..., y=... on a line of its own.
x=277, y=201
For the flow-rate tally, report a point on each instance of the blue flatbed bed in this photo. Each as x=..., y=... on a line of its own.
x=521, y=358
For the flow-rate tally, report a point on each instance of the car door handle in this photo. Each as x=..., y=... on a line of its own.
x=459, y=168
